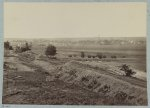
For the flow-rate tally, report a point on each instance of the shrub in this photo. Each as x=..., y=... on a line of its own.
x=94, y=81
x=104, y=89
x=18, y=49
x=99, y=56
x=123, y=56
x=90, y=86
x=69, y=55
x=84, y=78
x=82, y=54
x=10, y=48
x=74, y=55
x=128, y=72
x=50, y=50
x=93, y=56
x=23, y=48
x=27, y=47
x=120, y=96
x=104, y=56
x=113, y=56
x=89, y=56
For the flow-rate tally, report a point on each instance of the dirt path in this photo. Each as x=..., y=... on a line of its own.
x=18, y=64
x=45, y=65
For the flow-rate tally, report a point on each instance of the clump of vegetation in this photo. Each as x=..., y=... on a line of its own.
x=104, y=89
x=123, y=56
x=84, y=78
x=128, y=72
x=20, y=49
x=72, y=72
x=74, y=55
x=113, y=56
x=104, y=56
x=90, y=86
x=120, y=96
x=93, y=56
x=82, y=54
x=26, y=48
x=7, y=46
x=89, y=56
x=69, y=55
x=99, y=56
x=50, y=51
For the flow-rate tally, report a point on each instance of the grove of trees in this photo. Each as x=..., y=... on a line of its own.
x=20, y=49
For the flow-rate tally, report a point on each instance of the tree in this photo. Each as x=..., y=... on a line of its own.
x=128, y=72
x=18, y=49
x=27, y=46
x=82, y=54
x=6, y=45
x=50, y=50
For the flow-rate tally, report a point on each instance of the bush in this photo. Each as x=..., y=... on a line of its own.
x=113, y=56
x=89, y=56
x=128, y=72
x=50, y=50
x=104, y=89
x=123, y=56
x=104, y=56
x=69, y=55
x=99, y=56
x=20, y=49
x=27, y=47
x=120, y=96
x=10, y=48
x=93, y=56
x=82, y=54
x=74, y=55
x=85, y=78
x=23, y=49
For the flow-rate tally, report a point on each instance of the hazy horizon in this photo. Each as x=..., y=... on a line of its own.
x=65, y=37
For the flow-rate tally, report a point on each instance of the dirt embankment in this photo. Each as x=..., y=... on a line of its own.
x=102, y=82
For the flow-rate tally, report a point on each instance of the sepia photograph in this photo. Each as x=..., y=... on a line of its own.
x=75, y=53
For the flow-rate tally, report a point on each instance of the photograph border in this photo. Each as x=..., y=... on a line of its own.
x=68, y=106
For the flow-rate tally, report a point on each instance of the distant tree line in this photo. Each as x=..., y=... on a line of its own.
x=17, y=49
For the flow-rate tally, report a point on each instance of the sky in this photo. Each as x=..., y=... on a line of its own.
x=67, y=20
